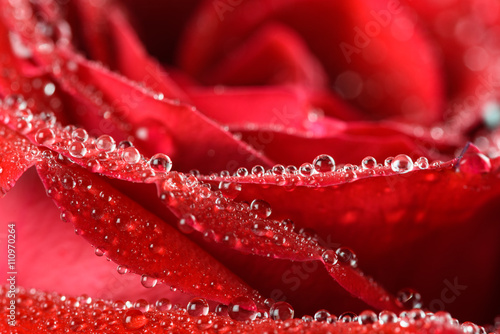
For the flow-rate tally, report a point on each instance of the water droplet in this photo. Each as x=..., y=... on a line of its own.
x=278, y=170
x=321, y=315
x=163, y=305
x=197, y=307
x=369, y=163
x=258, y=170
x=475, y=163
x=106, y=144
x=131, y=155
x=470, y=328
x=45, y=136
x=68, y=182
x=281, y=311
x=306, y=169
x=230, y=189
x=347, y=256
x=77, y=149
x=221, y=310
x=148, y=281
x=134, y=319
x=324, y=163
x=409, y=298
x=387, y=317
x=160, y=163
x=402, y=164
x=141, y=305
x=242, y=172
x=307, y=318
x=78, y=324
x=242, y=309
x=422, y=163
x=260, y=208
x=415, y=315
x=80, y=135
x=388, y=161
x=99, y=252
x=330, y=257
x=122, y=270
x=348, y=317
x=367, y=318
x=186, y=223
x=125, y=144
x=23, y=126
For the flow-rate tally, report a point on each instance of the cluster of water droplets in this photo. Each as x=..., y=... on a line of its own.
x=323, y=171
x=101, y=155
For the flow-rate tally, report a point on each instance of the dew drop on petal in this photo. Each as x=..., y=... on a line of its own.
x=388, y=161
x=409, y=298
x=306, y=169
x=163, y=304
x=258, y=170
x=242, y=172
x=131, y=155
x=387, y=317
x=402, y=164
x=324, y=163
x=80, y=135
x=148, y=281
x=369, y=163
x=106, y=144
x=45, y=136
x=68, y=182
x=77, y=149
x=367, y=318
x=122, y=270
x=197, y=307
x=321, y=315
x=348, y=317
x=160, y=163
x=278, y=170
x=229, y=189
x=281, y=311
x=99, y=252
x=260, y=208
x=330, y=257
x=134, y=320
x=242, y=309
x=141, y=305
x=186, y=223
x=422, y=163
x=221, y=310
x=347, y=256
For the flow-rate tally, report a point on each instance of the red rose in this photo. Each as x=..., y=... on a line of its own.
x=250, y=100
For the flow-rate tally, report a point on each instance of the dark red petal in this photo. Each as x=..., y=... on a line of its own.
x=404, y=71
x=247, y=229
x=275, y=55
x=131, y=236
x=17, y=154
x=384, y=217
x=180, y=130
x=75, y=315
x=126, y=54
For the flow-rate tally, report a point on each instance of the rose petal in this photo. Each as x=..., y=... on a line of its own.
x=336, y=31
x=120, y=227
x=17, y=155
x=107, y=319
